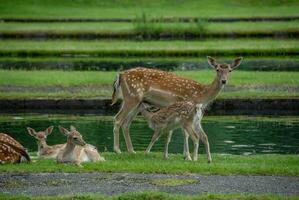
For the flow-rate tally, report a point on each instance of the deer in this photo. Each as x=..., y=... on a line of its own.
x=170, y=118
x=45, y=150
x=162, y=89
x=11, y=151
x=76, y=149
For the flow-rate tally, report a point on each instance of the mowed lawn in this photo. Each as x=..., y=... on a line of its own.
x=99, y=84
x=285, y=165
x=119, y=27
x=177, y=45
x=155, y=8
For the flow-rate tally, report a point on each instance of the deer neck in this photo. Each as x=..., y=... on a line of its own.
x=42, y=145
x=212, y=90
x=69, y=148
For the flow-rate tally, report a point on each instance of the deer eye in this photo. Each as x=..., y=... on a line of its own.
x=217, y=70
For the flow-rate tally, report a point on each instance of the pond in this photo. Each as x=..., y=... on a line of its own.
x=227, y=134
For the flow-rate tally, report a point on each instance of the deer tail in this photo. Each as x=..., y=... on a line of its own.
x=115, y=89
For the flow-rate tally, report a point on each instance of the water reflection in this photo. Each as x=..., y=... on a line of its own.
x=227, y=135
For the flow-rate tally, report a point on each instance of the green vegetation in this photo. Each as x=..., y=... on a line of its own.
x=151, y=195
x=173, y=28
x=88, y=84
x=156, y=8
x=104, y=48
x=114, y=45
x=285, y=165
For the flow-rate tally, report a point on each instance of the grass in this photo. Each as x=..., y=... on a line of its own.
x=284, y=165
x=115, y=27
x=92, y=84
x=106, y=48
x=77, y=78
x=153, y=195
x=112, y=45
x=131, y=9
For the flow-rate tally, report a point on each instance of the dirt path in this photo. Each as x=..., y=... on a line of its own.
x=116, y=183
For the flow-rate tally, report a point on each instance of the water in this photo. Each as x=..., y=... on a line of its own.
x=227, y=134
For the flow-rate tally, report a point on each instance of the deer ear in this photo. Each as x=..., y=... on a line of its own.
x=63, y=130
x=72, y=128
x=49, y=130
x=236, y=62
x=212, y=61
x=31, y=131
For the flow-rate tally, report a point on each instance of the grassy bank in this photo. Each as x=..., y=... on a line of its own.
x=114, y=45
x=89, y=84
x=128, y=8
x=285, y=165
x=75, y=78
x=155, y=196
x=114, y=28
x=112, y=48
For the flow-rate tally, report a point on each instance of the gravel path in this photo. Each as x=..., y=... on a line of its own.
x=116, y=183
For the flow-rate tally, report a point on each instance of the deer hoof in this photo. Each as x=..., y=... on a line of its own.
x=118, y=151
x=188, y=158
x=132, y=152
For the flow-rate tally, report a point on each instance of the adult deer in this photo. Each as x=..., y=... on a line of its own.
x=76, y=149
x=162, y=89
x=181, y=113
x=45, y=150
x=11, y=151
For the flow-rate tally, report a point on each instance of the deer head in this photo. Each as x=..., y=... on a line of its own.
x=223, y=70
x=41, y=136
x=73, y=136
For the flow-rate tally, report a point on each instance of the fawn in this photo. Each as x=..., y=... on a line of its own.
x=45, y=150
x=12, y=151
x=170, y=118
x=76, y=150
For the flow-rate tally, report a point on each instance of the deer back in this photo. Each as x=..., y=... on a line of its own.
x=11, y=151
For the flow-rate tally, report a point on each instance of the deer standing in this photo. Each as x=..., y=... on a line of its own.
x=45, y=150
x=76, y=149
x=162, y=89
x=12, y=151
x=172, y=117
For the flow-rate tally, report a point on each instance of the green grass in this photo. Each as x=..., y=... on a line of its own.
x=97, y=84
x=106, y=48
x=152, y=195
x=75, y=78
x=114, y=28
x=156, y=8
x=106, y=45
x=285, y=165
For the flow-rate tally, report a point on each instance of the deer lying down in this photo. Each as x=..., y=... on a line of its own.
x=44, y=150
x=179, y=114
x=12, y=151
x=76, y=150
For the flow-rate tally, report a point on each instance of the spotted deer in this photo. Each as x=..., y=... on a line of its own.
x=12, y=151
x=162, y=89
x=76, y=149
x=167, y=119
x=45, y=150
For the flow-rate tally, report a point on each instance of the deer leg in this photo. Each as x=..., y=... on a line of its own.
x=153, y=140
x=126, y=129
x=186, y=145
x=204, y=139
x=168, y=139
x=119, y=119
x=195, y=139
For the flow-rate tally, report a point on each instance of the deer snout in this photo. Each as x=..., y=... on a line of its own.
x=223, y=81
